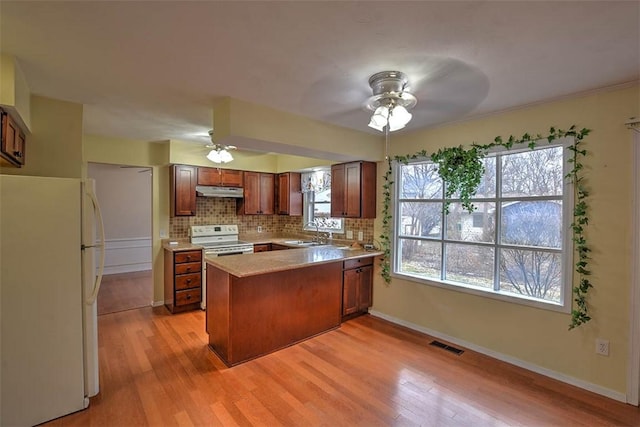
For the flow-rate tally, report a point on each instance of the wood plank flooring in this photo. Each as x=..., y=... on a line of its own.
x=125, y=291
x=156, y=369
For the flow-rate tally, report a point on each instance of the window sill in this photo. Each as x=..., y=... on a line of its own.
x=467, y=289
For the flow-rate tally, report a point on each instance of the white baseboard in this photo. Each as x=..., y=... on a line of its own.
x=603, y=391
x=157, y=303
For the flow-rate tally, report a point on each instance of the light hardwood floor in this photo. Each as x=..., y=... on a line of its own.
x=124, y=291
x=156, y=369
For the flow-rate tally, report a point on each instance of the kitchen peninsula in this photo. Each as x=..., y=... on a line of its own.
x=270, y=300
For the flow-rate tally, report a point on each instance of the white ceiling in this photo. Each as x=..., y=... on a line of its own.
x=152, y=70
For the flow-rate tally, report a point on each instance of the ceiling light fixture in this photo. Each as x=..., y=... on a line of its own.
x=219, y=153
x=390, y=102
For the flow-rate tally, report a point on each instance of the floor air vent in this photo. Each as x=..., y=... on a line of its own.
x=444, y=346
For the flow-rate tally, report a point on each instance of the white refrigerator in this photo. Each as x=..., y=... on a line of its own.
x=48, y=288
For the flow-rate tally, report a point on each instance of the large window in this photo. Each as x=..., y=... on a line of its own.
x=515, y=246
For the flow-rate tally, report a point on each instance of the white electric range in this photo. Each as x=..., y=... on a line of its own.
x=217, y=240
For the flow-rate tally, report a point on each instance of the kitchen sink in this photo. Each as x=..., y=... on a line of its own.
x=301, y=242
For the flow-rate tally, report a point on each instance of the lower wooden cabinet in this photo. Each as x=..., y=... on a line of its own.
x=261, y=247
x=182, y=280
x=357, y=286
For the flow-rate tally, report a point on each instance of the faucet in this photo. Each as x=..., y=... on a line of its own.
x=314, y=224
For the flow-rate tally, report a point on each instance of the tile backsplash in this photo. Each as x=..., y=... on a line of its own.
x=213, y=210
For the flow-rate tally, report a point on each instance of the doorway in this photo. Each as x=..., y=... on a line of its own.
x=124, y=193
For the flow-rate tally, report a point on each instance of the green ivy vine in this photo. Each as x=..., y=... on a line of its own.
x=462, y=169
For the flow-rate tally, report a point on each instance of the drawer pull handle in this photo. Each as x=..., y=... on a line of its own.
x=188, y=280
x=188, y=296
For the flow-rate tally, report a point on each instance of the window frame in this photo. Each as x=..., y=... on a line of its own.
x=308, y=203
x=566, y=250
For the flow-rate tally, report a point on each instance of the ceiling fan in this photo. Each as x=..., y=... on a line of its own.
x=391, y=101
x=219, y=153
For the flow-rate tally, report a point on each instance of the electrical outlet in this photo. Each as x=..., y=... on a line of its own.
x=360, y=236
x=349, y=234
x=163, y=234
x=259, y=229
x=602, y=347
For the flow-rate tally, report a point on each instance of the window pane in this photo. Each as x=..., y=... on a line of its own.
x=487, y=187
x=420, y=258
x=533, y=273
x=323, y=196
x=421, y=219
x=469, y=264
x=537, y=224
x=476, y=227
x=420, y=181
x=321, y=210
x=533, y=173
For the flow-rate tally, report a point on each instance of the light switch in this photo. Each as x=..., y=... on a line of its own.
x=349, y=234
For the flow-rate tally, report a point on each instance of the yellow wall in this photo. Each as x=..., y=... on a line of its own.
x=535, y=336
x=54, y=147
x=139, y=153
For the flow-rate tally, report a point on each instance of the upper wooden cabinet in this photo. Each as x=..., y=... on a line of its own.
x=353, y=190
x=13, y=141
x=220, y=177
x=259, y=189
x=290, y=194
x=183, y=190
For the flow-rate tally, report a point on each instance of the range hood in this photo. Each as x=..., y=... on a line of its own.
x=212, y=191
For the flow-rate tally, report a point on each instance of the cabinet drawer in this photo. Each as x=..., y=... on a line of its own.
x=190, y=256
x=359, y=262
x=187, y=281
x=188, y=297
x=192, y=267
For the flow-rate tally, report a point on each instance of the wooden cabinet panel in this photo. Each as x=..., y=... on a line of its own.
x=365, y=290
x=357, y=286
x=258, y=197
x=277, y=247
x=183, y=190
x=350, y=292
x=12, y=145
x=189, y=256
x=182, y=280
x=262, y=247
x=220, y=177
x=192, y=267
x=290, y=194
x=186, y=281
x=231, y=178
x=353, y=190
x=188, y=297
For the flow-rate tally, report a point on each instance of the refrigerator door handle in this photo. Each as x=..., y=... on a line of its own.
x=96, y=208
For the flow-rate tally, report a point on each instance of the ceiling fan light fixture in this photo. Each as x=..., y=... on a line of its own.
x=399, y=118
x=390, y=101
x=219, y=153
x=379, y=118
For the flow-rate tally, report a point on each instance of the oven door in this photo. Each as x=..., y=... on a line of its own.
x=216, y=253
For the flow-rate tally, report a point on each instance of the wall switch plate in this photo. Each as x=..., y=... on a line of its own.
x=602, y=347
x=349, y=234
x=163, y=234
x=259, y=229
x=360, y=236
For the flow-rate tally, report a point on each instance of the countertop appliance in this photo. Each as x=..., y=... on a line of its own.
x=48, y=290
x=217, y=240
